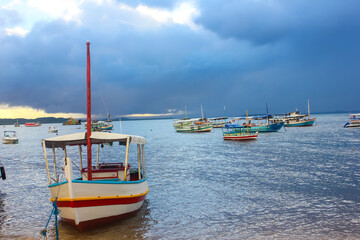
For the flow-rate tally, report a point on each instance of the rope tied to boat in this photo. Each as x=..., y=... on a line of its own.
x=55, y=211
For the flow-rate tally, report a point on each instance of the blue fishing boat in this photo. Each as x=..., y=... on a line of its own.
x=263, y=123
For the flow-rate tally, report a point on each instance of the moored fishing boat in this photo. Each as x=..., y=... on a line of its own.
x=10, y=137
x=71, y=121
x=52, y=130
x=263, y=123
x=237, y=132
x=33, y=124
x=98, y=126
x=219, y=122
x=99, y=193
x=193, y=125
x=354, y=121
x=295, y=119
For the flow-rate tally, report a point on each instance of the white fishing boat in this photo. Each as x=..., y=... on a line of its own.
x=354, y=121
x=10, y=137
x=53, y=130
x=100, y=193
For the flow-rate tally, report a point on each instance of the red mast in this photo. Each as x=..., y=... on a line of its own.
x=89, y=114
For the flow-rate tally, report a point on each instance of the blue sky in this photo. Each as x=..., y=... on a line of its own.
x=156, y=57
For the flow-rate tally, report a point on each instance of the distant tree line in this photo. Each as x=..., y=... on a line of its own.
x=7, y=121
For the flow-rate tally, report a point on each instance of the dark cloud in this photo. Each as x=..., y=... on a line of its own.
x=249, y=54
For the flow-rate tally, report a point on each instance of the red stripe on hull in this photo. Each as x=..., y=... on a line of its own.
x=90, y=224
x=100, y=202
x=241, y=138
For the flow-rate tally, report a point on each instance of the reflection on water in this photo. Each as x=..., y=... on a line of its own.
x=2, y=209
x=299, y=183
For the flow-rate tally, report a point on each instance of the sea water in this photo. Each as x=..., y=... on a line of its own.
x=301, y=183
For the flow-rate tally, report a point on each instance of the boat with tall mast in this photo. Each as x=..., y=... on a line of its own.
x=235, y=132
x=101, y=193
x=296, y=119
x=193, y=125
x=260, y=123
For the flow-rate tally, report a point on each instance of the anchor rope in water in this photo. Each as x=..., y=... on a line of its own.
x=55, y=211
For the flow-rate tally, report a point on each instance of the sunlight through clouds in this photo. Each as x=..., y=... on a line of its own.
x=17, y=31
x=65, y=9
x=183, y=14
x=11, y=112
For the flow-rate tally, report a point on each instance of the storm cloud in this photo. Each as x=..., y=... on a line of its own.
x=242, y=54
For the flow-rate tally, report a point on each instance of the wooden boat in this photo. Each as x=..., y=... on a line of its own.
x=354, y=121
x=10, y=137
x=235, y=132
x=71, y=121
x=219, y=122
x=99, y=126
x=263, y=123
x=101, y=193
x=193, y=125
x=295, y=119
x=33, y=124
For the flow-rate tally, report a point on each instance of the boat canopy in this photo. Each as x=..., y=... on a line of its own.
x=259, y=117
x=189, y=120
x=96, y=138
x=234, y=126
x=219, y=118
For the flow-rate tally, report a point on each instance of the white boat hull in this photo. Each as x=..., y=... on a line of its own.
x=95, y=204
x=10, y=141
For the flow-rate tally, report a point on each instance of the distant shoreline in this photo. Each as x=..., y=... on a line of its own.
x=12, y=121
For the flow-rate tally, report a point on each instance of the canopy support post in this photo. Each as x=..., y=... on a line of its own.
x=46, y=162
x=80, y=156
x=143, y=158
x=97, y=156
x=126, y=156
x=139, y=161
x=54, y=157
